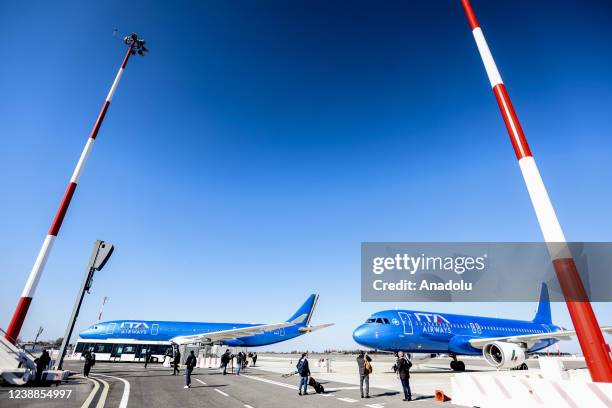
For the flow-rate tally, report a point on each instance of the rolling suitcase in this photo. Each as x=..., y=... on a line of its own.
x=316, y=385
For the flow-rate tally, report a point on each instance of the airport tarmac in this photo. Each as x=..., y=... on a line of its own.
x=132, y=385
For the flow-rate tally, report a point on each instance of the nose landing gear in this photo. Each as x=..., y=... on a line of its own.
x=457, y=365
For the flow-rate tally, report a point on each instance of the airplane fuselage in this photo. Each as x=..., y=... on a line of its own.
x=427, y=332
x=148, y=330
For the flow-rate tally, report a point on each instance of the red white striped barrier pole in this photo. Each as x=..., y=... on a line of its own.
x=592, y=343
x=23, y=305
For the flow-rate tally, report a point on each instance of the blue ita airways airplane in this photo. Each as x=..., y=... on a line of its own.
x=229, y=334
x=504, y=343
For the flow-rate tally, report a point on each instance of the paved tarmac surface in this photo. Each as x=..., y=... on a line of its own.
x=157, y=387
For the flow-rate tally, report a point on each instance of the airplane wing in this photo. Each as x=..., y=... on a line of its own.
x=531, y=338
x=213, y=337
x=309, y=329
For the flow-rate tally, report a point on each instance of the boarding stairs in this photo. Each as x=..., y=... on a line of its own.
x=17, y=366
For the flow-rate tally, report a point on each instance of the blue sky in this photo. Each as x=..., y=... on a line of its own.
x=246, y=158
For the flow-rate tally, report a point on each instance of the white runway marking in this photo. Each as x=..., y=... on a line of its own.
x=347, y=399
x=92, y=394
x=247, y=406
x=126, y=390
x=200, y=381
x=375, y=405
x=104, y=394
x=343, y=388
x=222, y=393
x=293, y=387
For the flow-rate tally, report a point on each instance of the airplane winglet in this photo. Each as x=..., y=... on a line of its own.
x=309, y=329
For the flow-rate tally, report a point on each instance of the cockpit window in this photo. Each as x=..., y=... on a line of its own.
x=379, y=320
x=385, y=320
x=371, y=320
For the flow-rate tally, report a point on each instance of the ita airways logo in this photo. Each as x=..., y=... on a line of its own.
x=134, y=328
x=431, y=318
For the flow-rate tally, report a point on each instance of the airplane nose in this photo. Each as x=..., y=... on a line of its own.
x=360, y=334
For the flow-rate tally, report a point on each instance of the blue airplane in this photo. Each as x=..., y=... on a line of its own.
x=504, y=343
x=229, y=334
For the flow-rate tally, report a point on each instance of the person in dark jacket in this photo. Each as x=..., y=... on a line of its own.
x=148, y=356
x=240, y=358
x=403, y=370
x=363, y=362
x=90, y=361
x=190, y=363
x=254, y=359
x=176, y=361
x=41, y=363
x=304, y=371
x=225, y=359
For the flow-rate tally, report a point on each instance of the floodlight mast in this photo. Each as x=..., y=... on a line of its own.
x=135, y=46
x=596, y=351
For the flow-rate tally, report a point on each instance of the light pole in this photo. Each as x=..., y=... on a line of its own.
x=135, y=46
x=99, y=256
x=102, y=308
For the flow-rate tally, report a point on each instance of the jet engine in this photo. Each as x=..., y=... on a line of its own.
x=501, y=354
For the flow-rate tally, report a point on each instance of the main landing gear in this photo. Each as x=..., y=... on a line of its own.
x=457, y=365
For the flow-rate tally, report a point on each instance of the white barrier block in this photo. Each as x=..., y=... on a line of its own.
x=552, y=368
x=525, y=390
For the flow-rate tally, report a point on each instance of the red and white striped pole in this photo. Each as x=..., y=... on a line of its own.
x=592, y=343
x=23, y=305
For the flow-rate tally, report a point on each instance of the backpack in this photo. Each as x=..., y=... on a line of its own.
x=300, y=366
x=367, y=366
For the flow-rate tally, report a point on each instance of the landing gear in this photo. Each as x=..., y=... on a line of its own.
x=457, y=365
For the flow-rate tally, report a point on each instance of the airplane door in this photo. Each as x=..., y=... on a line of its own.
x=405, y=318
x=154, y=329
x=111, y=328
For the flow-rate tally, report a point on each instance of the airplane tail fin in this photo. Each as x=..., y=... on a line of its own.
x=543, y=315
x=306, y=309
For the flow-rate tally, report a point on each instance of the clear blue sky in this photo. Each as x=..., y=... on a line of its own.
x=246, y=158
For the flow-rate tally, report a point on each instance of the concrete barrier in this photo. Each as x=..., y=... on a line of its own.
x=525, y=389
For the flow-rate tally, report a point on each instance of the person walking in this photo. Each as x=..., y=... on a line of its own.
x=365, y=368
x=304, y=371
x=239, y=362
x=90, y=361
x=41, y=363
x=225, y=359
x=176, y=362
x=148, y=357
x=254, y=359
x=403, y=369
x=190, y=363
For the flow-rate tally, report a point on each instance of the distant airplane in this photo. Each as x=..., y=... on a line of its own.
x=229, y=334
x=504, y=343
